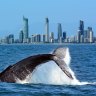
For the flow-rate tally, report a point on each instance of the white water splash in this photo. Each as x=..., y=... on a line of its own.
x=50, y=73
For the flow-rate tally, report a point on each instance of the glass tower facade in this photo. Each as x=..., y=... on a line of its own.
x=81, y=28
x=47, y=30
x=59, y=32
x=25, y=29
x=21, y=36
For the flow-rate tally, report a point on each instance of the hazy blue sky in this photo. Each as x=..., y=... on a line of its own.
x=67, y=12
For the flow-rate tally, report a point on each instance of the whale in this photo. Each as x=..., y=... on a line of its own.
x=21, y=69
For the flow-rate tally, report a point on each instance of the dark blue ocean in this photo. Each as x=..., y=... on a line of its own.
x=83, y=64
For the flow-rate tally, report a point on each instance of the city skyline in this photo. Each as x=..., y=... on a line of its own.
x=63, y=11
x=56, y=28
x=50, y=28
x=82, y=36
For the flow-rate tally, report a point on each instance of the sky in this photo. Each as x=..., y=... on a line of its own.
x=66, y=12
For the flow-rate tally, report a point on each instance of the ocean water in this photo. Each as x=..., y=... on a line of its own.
x=83, y=65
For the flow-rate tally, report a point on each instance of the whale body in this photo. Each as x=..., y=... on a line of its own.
x=23, y=68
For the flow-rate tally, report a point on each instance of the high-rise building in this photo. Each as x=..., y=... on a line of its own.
x=81, y=27
x=6, y=40
x=52, y=37
x=81, y=38
x=11, y=38
x=64, y=36
x=21, y=36
x=33, y=39
x=85, y=33
x=38, y=38
x=25, y=29
x=91, y=37
x=78, y=36
x=90, y=34
x=86, y=40
x=44, y=38
x=59, y=32
x=47, y=30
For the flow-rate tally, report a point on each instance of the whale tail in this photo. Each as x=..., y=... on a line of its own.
x=60, y=54
x=23, y=68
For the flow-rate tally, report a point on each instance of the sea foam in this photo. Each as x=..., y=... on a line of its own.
x=50, y=73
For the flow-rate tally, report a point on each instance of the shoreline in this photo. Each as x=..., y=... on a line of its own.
x=50, y=44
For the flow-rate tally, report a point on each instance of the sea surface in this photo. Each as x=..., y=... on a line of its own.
x=83, y=64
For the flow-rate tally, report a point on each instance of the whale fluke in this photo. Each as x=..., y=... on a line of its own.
x=23, y=68
x=60, y=54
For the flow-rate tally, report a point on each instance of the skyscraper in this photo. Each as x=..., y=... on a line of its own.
x=59, y=32
x=64, y=35
x=82, y=39
x=33, y=39
x=25, y=29
x=44, y=38
x=11, y=38
x=21, y=36
x=52, y=37
x=78, y=36
x=86, y=40
x=47, y=30
x=81, y=27
x=90, y=34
